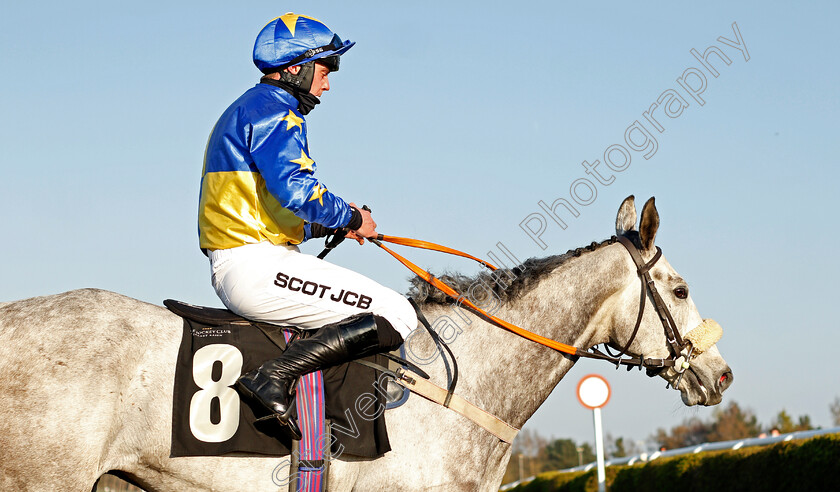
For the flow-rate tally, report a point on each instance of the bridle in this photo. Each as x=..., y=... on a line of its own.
x=680, y=350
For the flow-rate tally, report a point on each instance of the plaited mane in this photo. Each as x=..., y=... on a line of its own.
x=514, y=282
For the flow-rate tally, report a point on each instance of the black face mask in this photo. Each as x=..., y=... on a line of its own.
x=306, y=101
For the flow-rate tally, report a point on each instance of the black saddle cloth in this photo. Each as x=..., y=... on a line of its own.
x=354, y=401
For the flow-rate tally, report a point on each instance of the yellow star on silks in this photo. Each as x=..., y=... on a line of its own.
x=304, y=161
x=318, y=194
x=292, y=120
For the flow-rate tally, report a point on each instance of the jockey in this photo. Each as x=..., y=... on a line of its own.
x=260, y=199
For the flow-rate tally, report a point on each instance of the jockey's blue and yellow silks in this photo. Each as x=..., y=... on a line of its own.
x=292, y=39
x=258, y=181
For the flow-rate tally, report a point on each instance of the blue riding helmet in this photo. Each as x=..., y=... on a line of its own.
x=293, y=39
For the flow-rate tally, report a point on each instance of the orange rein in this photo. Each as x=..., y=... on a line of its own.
x=446, y=289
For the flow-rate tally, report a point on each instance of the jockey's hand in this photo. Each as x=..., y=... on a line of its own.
x=368, y=228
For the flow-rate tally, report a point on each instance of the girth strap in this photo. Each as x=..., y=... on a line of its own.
x=431, y=391
x=420, y=385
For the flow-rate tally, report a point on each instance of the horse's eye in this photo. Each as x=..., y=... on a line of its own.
x=681, y=292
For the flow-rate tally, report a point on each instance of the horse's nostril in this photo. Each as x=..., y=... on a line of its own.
x=725, y=380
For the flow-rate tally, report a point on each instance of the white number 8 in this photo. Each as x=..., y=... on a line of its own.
x=200, y=424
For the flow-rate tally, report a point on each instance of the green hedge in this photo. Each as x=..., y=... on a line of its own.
x=812, y=464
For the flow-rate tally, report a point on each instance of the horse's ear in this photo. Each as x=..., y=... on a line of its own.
x=649, y=224
x=625, y=221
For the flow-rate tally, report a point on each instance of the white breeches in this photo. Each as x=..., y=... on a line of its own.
x=281, y=285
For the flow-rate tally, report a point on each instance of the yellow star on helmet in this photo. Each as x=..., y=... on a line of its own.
x=304, y=161
x=290, y=20
x=318, y=194
x=292, y=120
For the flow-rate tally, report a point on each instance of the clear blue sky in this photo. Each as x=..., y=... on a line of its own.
x=452, y=121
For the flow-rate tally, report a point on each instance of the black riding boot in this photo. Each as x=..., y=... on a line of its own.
x=272, y=384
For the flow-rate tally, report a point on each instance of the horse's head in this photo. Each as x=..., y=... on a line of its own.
x=706, y=374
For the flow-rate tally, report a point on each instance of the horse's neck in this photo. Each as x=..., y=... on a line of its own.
x=510, y=376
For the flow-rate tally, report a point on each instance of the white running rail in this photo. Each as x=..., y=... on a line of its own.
x=708, y=446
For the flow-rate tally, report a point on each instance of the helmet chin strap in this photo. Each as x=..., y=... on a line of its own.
x=301, y=80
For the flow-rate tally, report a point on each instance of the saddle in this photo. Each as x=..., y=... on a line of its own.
x=219, y=317
x=219, y=345
x=208, y=315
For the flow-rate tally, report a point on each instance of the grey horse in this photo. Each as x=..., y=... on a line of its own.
x=87, y=379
